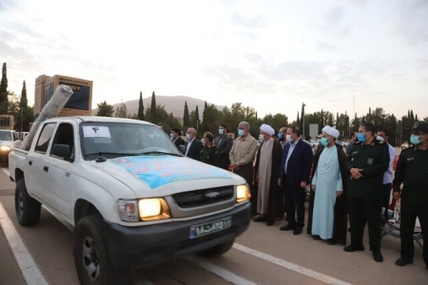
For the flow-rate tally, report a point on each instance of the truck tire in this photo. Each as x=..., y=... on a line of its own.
x=27, y=209
x=218, y=249
x=91, y=257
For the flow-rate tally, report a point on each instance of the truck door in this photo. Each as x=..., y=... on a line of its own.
x=35, y=177
x=61, y=171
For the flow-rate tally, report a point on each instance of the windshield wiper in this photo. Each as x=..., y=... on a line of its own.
x=159, y=152
x=101, y=153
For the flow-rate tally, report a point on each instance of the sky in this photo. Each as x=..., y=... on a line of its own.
x=338, y=55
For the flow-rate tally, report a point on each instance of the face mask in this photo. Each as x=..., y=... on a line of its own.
x=323, y=141
x=240, y=132
x=288, y=138
x=379, y=138
x=220, y=131
x=188, y=137
x=261, y=138
x=171, y=135
x=203, y=141
x=414, y=139
x=361, y=138
x=280, y=137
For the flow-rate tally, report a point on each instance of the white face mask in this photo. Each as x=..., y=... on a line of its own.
x=188, y=136
x=379, y=138
x=288, y=138
x=261, y=137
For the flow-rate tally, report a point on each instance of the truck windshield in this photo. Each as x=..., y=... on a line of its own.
x=123, y=139
x=5, y=136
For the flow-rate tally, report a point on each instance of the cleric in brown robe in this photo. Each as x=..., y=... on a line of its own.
x=340, y=228
x=271, y=208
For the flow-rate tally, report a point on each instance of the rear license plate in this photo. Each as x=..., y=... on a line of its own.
x=210, y=227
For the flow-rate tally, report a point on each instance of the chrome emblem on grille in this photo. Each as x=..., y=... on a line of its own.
x=211, y=194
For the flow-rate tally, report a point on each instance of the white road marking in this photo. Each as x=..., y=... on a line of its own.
x=28, y=267
x=5, y=170
x=223, y=273
x=291, y=266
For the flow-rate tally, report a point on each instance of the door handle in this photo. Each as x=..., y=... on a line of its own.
x=46, y=168
x=30, y=162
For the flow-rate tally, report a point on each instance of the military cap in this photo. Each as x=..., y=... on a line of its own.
x=421, y=126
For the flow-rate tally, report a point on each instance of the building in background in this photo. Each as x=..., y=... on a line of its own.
x=79, y=104
x=7, y=122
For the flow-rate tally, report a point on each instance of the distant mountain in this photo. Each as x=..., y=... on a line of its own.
x=173, y=104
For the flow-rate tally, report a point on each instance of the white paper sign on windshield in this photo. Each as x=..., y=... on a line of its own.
x=96, y=132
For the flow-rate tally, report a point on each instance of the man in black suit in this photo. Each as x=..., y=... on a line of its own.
x=293, y=176
x=193, y=145
x=224, y=144
x=176, y=139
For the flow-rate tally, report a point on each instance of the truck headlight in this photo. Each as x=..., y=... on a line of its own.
x=5, y=148
x=143, y=210
x=153, y=209
x=242, y=193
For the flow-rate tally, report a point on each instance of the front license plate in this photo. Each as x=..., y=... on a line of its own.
x=210, y=227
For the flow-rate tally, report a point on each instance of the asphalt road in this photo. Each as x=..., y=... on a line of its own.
x=262, y=255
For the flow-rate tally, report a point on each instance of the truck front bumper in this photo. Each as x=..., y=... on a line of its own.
x=134, y=247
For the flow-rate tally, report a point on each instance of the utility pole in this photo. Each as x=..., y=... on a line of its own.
x=22, y=119
x=303, y=120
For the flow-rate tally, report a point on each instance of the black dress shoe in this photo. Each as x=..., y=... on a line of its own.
x=351, y=248
x=401, y=262
x=316, y=237
x=297, y=231
x=377, y=256
x=260, y=219
x=270, y=222
x=286, y=228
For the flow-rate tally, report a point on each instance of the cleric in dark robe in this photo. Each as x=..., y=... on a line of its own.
x=340, y=219
x=267, y=195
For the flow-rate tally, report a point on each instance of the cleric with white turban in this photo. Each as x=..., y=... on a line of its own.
x=267, y=129
x=331, y=131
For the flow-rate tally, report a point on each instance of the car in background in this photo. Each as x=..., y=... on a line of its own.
x=7, y=138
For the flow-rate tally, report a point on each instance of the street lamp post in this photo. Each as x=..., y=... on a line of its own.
x=303, y=119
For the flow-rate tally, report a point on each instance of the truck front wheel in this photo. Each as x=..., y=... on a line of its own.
x=27, y=209
x=91, y=257
x=218, y=249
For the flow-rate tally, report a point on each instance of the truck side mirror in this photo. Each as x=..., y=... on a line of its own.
x=62, y=150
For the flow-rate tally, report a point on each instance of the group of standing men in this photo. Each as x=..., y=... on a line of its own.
x=357, y=183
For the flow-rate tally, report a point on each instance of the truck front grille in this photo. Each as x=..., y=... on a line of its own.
x=203, y=197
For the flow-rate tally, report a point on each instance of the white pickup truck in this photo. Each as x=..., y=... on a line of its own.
x=130, y=195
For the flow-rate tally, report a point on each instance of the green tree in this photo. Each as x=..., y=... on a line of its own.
x=186, y=118
x=13, y=109
x=276, y=121
x=23, y=123
x=105, y=110
x=192, y=119
x=168, y=121
x=3, y=91
x=197, y=121
x=153, y=109
x=211, y=119
x=121, y=111
x=140, y=115
x=342, y=125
